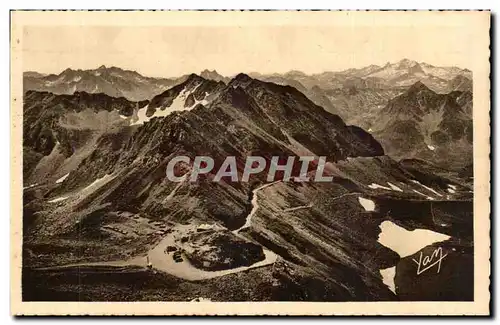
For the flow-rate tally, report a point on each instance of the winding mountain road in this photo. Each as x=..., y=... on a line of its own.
x=159, y=260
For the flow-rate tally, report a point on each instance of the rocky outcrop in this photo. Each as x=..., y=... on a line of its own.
x=217, y=250
x=423, y=124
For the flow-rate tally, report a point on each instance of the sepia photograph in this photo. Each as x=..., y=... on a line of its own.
x=204, y=158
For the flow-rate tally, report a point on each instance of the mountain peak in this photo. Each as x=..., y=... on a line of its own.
x=242, y=77
x=194, y=77
x=206, y=71
x=66, y=71
x=212, y=75
x=102, y=67
x=417, y=87
x=408, y=64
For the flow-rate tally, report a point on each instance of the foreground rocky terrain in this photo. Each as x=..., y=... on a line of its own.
x=102, y=221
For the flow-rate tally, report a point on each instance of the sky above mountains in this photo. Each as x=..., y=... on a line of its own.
x=167, y=51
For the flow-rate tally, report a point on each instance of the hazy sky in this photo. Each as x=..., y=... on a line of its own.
x=176, y=50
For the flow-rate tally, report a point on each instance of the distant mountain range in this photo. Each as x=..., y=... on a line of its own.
x=401, y=74
x=358, y=95
x=372, y=97
x=117, y=82
x=112, y=81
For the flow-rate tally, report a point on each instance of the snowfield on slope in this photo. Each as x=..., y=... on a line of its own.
x=391, y=187
x=376, y=186
x=426, y=187
x=388, y=277
x=87, y=190
x=426, y=196
x=176, y=106
x=60, y=180
x=394, y=187
x=62, y=198
x=367, y=204
x=391, y=236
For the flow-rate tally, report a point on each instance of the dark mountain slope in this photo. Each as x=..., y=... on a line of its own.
x=421, y=123
x=59, y=126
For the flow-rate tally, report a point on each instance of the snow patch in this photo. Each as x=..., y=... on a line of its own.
x=426, y=187
x=205, y=226
x=60, y=180
x=451, y=191
x=62, y=198
x=203, y=102
x=177, y=105
x=30, y=186
x=141, y=116
x=77, y=78
x=124, y=117
x=431, y=147
x=394, y=187
x=388, y=277
x=427, y=197
x=404, y=242
x=369, y=205
x=375, y=186
x=98, y=182
x=453, y=187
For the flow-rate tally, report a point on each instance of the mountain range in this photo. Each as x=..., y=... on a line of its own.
x=401, y=74
x=356, y=95
x=117, y=82
x=99, y=211
x=112, y=81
